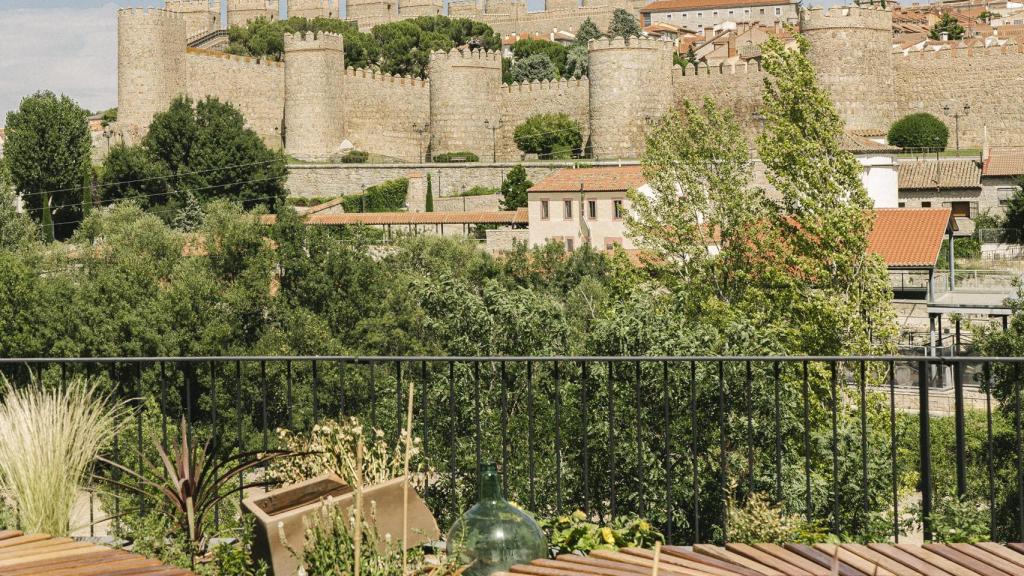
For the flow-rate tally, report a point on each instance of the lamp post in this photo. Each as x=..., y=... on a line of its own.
x=957, y=114
x=494, y=138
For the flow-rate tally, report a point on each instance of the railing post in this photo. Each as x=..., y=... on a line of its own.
x=958, y=398
x=925, y=449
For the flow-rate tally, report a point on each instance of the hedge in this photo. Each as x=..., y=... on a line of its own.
x=355, y=157
x=919, y=131
x=457, y=157
x=384, y=197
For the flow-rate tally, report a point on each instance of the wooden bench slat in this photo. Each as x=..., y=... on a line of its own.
x=767, y=559
x=1003, y=552
x=880, y=560
x=698, y=558
x=728, y=556
x=666, y=558
x=964, y=560
x=910, y=560
x=599, y=564
x=823, y=560
x=988, y=558
x=937, y=560
x=864, y=565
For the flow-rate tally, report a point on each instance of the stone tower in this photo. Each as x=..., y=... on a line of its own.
x=241, y=12
x=314, y=69
x=851, y=49
x=630, y=88
x=416, y=8
x=370, y=9
x=312, y=9
x=200, y=16
x=464, y=112
x=150, y=66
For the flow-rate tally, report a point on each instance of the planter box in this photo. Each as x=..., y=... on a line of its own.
x=290, y=505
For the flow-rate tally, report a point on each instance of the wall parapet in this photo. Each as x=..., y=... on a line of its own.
x=457, y=54
x=190, y=6
x=723, y=69
x=241, y=60
x=963, y=52
x=619, y=43
x=873, y=17
x=147, y=13
x=541, y=85
x=371, y=74
x=313, y=41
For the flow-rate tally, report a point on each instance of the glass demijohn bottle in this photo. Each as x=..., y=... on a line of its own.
x=494, y=535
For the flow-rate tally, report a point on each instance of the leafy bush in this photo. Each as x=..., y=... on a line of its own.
x=306, y=201
x=556, y=53
x=624, y=24
x=577, y=62
x=479, y=191
x=51, y=438
x=549, y=136
x=355, y=157
x=514, y=189
x=919, y=131
x=575, y=534
x=457, y=157
x=758, y=521
x=533, y=67
x=384, y=197
x=956, y=520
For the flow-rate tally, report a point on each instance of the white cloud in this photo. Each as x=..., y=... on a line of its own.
x=66, y=50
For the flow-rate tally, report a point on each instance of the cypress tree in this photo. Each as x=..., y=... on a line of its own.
x=430, y=195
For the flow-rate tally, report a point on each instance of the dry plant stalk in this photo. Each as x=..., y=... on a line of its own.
x=359, y=506
x=657, y=558
x=405, y=481
x=51, y=438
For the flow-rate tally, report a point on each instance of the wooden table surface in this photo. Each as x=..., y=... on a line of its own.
x=983, y=559
x=38, y=554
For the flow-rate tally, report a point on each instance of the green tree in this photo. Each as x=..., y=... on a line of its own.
x=430, y=195
x=405, y=46
x=948, y=25
x=555, y=52
x=532, y=68
x=577, y=62
x=131, y=172
x=549, y=136
x=588, y=31
x=1014, y=223
x=624, y=24
x=920, y=131
x=47, y=153
x=514, y=189
x=261, y=38
x=16, y=229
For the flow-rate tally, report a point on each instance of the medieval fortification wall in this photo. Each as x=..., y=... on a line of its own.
x=311, y=103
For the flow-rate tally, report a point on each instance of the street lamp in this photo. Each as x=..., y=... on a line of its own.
x=956, y=114
x=494, y=138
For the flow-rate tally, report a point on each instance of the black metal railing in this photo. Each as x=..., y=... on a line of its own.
x=677, y=440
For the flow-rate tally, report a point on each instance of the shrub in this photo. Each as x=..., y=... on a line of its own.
x=533, y=67
x=556, y=53
x=758, y=521
x=384, y=197
x=51, y=438
x=575, y=534
x=958, y=520
x=921, y=131
x=457, y=157
x=514, y=189
x=355, y=157
x=479, y=191
x=549, y=136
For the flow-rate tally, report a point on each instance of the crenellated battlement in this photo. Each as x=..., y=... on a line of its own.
x=634, y=43
x=869, y=17
x=313, y=41
x=146, y=13
x=242, y=61
x=963, y=52
x=545, y=85
x=191, y=6
x=456, y=55
x=370, y=74
x=723, y=69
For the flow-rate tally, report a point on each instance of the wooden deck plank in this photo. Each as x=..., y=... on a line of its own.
x=534, y=570
x=908, y=560
x=767, y=559
x=603, y=569
x=73, y=563
x=986, y=557
x=824, y=560
x=881, y=560
x=598, y=563
x=5, y=534
x=860, y=563
x=682, y=562
x=20, y=540
x=937, y=560
x=645, y=563
x=1003, y=552
x=1016, y=547
x=727, y=556
x=964, y=560
x=693, y=556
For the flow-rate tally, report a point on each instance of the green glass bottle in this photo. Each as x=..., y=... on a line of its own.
x=494, y=535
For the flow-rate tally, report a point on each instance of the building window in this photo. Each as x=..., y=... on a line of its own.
x=592, y=209
x=746, y=10
x=700, y=14
x=545, y=210
x=961, y=209
x=714, y=14
x=902, y=204
x=647, y=19
x=1004, y=193
x=762, y=11
x=730, y=12
x=778, y=11
x=567, y=209
x=617, y=204
x=569, y=245
x=926, y=204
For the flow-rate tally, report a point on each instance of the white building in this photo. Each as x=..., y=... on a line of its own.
x=701, y=14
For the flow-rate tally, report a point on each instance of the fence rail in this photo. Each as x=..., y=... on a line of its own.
x=678, y=440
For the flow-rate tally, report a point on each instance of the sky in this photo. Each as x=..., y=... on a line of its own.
x=70, y=47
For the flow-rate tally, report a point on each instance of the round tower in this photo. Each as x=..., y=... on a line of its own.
x=241, y=12
x=851, y=50
x=200, y=17
x=630, y=89
x=314, y=69
x=150, y=66
x=464, y=106
x=311, y=9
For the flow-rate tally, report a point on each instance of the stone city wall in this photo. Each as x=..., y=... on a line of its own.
x=990, y=79
x=512, y=17
x=737, y=88
x=386, y=114
x=482, y=203
x=520, y=101
x=325, y=180
x=505, y=239
x=232, y=79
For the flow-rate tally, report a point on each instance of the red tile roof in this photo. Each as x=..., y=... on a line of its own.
x=412, y=218
x=929, y=175
x=595, y=179
x=909, y=237
x=683, y=5
x=1004, y=162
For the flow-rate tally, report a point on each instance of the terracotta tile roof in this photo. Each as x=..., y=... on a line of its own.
x=929, y=175
x=681, y=5
x=1004, y=162
x=412, y=218
x=858, y=144
x=321, y=207
x=909, y=237
x=595, y=179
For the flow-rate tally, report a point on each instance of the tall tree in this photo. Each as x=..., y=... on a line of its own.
x=1013, y=226
x=577, y=62
x=948, y=25
x=47, y=152
x=514, y=188
x=533, y=67
x=624, y=24
x=588, y=31
x=15, y=227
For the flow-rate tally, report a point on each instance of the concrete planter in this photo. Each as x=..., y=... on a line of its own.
x=290, y=505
